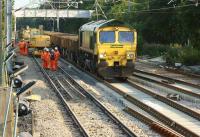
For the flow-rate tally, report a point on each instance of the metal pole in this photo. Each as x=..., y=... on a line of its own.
x=15, y=29
x=58, y=21
x=1, y=46
x=9, y=21
x=96, y=10
x=5, y=19
x=9, y=30
x=129, y=6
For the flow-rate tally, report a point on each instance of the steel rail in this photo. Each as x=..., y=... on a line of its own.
x=69, y=95
x=182, y=72
x=72, y=114
x=81, y=95
x=172, y=124
x=153, y=124
x=166, y=131
x=168, y=78
x=187, y=92
x=101, y=106
x=171, y=103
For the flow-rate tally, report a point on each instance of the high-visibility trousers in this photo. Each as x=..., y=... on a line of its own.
x=26, y=51
x=56, y=64
x=21, y=51
x=45, y=64
x=53, y=65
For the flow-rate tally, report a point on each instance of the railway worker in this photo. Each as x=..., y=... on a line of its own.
x=42, y=58
x=27, y=45
x=45, y=56
x=53, y=60
x=21, y=45
x=57, y=56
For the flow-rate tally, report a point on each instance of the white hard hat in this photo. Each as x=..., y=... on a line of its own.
x=47, y=49
x=56, y=48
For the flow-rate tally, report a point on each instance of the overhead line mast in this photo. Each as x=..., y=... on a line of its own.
x=1, y=46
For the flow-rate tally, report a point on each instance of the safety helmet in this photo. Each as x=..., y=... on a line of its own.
x=47, y=49
x=56, y=48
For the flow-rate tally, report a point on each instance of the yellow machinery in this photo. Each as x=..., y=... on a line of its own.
x=38, y=40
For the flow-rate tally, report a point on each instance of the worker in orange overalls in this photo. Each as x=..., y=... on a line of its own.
x=42, y=58
x=21, y=45
x=52, y=60
x=26, y=48
x=57, y=56
x=45, y=56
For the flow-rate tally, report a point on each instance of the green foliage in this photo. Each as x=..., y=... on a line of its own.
x=190, y=56
x=173, y=55
x=163, y=25
x=153, y=50
x=185, y=55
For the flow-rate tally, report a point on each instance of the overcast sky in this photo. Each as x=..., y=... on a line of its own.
x=22, y=3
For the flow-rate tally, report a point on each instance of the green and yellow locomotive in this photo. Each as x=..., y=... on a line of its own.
x=108, y=47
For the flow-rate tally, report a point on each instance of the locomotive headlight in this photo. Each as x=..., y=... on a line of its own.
x=102, y=55
x=130, y=55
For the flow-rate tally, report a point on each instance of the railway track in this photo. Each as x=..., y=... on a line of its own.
x=182, y=72
x=177, y=85
x=173, y=80
x=93, y=118
x=153, y=124
x=74, y=123
x=155, y=69
x=187, y=107
x=170, y=116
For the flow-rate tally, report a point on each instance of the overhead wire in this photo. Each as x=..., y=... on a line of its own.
x=151, y=10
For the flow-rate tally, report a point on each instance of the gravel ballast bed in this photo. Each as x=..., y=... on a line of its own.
x=49, y=115
x=112, y=101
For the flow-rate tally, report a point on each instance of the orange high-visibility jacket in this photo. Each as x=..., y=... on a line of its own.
x=46, y=56
x=57, y=55
x=21, y=45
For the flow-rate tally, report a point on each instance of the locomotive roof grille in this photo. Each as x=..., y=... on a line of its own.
x=94, y=25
